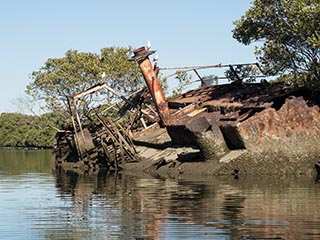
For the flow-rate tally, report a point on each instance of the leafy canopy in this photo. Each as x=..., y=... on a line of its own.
x=289, y=33
x=78, y=71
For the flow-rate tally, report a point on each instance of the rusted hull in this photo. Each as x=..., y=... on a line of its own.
x=284, y=141
x=275, y=133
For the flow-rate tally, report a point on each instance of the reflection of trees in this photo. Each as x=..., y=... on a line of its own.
x=17, y=161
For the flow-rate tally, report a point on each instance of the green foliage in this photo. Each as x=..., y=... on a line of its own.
x=242, y=72
x=163, y=80
x=77, y=71
x=184, y=80
x=19, y=130
x=290, y=35
x=122, y=75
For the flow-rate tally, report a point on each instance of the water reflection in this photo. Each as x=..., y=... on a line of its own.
x=66, y=205
x=169, y=208
x=13, y=162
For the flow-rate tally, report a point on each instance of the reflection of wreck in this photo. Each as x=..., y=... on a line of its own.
x=223, y=129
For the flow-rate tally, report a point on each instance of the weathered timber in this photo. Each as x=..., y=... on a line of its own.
x=238, y=128
x=110, y=148
x=100, y=145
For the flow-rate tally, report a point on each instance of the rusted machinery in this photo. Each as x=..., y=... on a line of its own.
x=100, y=144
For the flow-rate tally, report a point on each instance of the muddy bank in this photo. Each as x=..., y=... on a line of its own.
x=185, y=162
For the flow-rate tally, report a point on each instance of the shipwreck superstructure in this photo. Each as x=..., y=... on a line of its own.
x=234, y=128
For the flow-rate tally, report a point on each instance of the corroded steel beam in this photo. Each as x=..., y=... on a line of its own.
x=141, y=56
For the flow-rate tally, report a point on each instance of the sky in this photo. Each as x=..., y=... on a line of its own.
x=184, y=33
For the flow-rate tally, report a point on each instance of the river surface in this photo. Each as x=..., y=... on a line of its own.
x=36, y=203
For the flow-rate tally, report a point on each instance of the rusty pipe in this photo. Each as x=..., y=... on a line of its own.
x=141, y=55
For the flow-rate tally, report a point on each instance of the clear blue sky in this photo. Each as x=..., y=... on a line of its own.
x=183, y=33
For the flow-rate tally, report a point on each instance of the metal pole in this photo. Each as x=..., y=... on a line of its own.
x=141, y=56
x=201, y=79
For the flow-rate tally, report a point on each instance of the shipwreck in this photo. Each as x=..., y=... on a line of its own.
x=227, y=129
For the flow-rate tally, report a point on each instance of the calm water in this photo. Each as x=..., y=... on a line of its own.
x=37, y=204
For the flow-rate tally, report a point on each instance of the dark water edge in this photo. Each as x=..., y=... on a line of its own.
x=36, y=203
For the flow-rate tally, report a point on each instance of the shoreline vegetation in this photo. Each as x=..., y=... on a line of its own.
x=25, y=148
x=22, y=131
